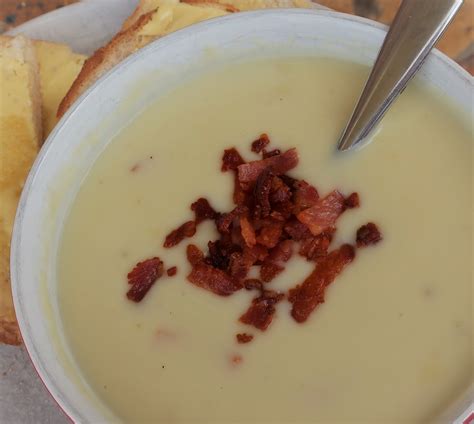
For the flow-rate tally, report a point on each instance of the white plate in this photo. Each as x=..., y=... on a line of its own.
x=84, y=26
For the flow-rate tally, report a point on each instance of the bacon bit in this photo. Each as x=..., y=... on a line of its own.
x=269, y=270
x=135, y=167
x=203, y=210
x=213, y=279
x=243, y=338
x=323, y=214
x=260, y=143
x=270, y=233
x=239, y=196
x=235, y=240
x=280, y=191
x=261, y=311
x=305, y=196
x=289, y=181
x=188, y=229
x=194, y=254
x=271, y=153
x=218, y=255
x=272, y=265
x=256, y=253
x=282, y=252
x=277, y=216
x=224, y=221
x=172, y=271
x=236, y=359
x=368, y=234
x=261, y=192
x=280, y=164
x=307, y=296
x=248, y=233
x=239, y=266
x=253, y=284
x=142, y=278
x=297, y=230
x=314, y=248
x=284, y=209
x=352, y=201
x=231, y=160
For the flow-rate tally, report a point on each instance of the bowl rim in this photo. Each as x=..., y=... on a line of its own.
x=16, y=256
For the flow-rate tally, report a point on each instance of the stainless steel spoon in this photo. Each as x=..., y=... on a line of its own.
x=413, y=33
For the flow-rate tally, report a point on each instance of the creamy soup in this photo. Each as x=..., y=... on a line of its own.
x=393, y=341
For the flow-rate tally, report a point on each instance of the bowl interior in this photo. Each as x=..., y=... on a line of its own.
x=113, y=102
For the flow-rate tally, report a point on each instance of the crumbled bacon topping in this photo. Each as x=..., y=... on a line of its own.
x=324, y=213
x=203, y=210
x=270, y=233
x=225, y=220
x=243, y=338
x=194, y=254
x=142, y=277
x=253, y=284
x=172, y=271
x=188, y=229
x=352, y=201
x=248, y=232
x=296, y=230
x=315, y=247
x=231, y=160
x=273, y=263
x=305, y=196
x=307, y=296
x=368, y=234
x=271, y=153
x=260, y=143
x=261, y=311
x=213, y=279
x=279, y=164
x=275, y=216
x=236, y=360
x=263, y=185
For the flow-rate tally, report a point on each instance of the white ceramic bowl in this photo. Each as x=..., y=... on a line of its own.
x=110, y=104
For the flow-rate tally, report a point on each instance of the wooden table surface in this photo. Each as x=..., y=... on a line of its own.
x=458, y=42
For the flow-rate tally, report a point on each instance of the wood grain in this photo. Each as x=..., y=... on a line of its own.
x=458, y=42
x=15, y=12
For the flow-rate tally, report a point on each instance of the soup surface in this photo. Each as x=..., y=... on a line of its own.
x=393, y=341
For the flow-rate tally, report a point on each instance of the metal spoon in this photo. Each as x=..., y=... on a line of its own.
x=413, y=33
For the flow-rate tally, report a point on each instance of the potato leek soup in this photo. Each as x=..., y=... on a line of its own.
x=365, y=316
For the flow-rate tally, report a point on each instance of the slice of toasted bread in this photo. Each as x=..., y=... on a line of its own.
x=145, y=6
x=20, y=137
x=168, y=16
x=59, y=67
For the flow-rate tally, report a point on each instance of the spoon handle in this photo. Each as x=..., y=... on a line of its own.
x=413, y=33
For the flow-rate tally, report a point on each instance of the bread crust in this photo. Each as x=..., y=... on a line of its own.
x=121, y=46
